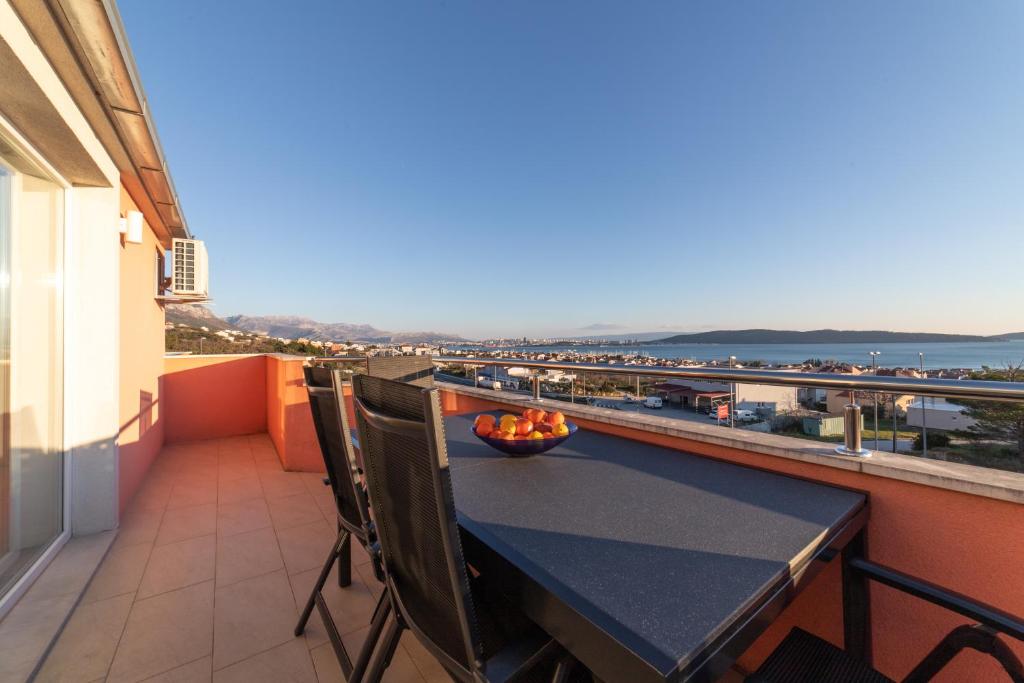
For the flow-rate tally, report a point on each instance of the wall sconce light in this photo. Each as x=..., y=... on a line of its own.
x=131, y=227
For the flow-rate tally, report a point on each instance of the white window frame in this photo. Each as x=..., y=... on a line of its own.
x=23, y=147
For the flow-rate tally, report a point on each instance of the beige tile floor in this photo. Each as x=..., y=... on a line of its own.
x=214, y=558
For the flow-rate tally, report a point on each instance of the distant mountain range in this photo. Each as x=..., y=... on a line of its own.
x=295, y=327
x=194, y=315
x=826, y=337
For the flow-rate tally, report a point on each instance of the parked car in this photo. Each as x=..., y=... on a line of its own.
x=488, y=383
x=745, y=416
x=652, y=402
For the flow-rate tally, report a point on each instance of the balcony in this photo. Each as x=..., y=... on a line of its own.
x=224, y=536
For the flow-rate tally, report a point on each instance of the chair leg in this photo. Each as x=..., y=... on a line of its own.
x=380, y=617
x=345, y=561
x=332, y=634
x=382, y=658
x=563, y=669
x=321, y=580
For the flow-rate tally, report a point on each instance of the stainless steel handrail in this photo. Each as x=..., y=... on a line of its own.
x=944, y=388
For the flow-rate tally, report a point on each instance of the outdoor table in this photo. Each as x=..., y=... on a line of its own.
x=648, y=563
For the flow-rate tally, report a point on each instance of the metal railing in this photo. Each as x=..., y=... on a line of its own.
x=865, y=384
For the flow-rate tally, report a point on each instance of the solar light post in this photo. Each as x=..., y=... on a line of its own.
x=895, y=423
x=732, y=397
x=874, y=371
x=924, y=416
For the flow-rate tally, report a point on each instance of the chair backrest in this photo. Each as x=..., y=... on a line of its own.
x=418, y=370
x=332, y=432
x=401, y=436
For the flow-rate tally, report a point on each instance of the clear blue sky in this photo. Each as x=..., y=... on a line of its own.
x=514, y=168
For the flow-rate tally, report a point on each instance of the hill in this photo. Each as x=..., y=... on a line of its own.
x=819, y=337
x=194, y=315
x=294, y=327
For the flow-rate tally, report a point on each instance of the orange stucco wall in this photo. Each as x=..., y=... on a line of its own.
x=969, y=544
x=213, y=396
x=289, y=421
x=207, y=397
x=141, y=361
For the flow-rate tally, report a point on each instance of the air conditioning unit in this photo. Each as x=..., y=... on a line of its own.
x=190, y=271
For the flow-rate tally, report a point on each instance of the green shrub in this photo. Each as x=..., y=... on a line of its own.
x=935, y=440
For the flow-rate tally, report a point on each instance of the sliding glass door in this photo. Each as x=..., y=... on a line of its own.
x=31, y=365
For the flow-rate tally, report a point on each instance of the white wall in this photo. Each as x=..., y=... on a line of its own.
x=91, y=357
x=939, y=414
x=781, y=399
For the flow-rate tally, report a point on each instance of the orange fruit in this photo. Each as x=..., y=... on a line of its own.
x=495, y=434
x=524, y=426
x=536, y=435
x=507, y=423
x=506, y=436
x=486, y=420
x=483, y=430
x=535, y=415
x=555, y=418
x=560, y=430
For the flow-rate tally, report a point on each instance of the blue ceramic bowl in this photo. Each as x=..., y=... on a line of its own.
x=520, y=448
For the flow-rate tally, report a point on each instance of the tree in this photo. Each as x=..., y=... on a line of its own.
x=1002, y=421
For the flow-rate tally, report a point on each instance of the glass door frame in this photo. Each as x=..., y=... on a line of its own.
x=22, y=146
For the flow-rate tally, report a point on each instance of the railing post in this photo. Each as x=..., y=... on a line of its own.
x=851, y=432
x=536, y=387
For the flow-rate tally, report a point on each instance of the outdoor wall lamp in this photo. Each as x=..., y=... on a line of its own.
x=131, y=227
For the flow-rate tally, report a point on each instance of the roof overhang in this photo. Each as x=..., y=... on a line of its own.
x=85, y=42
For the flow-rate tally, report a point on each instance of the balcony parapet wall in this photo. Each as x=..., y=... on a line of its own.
x=214, y=396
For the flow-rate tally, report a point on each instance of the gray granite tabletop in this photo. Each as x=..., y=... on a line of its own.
x=660, y=547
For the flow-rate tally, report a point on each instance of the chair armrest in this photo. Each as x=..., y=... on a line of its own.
x=976, y=637
x=992, y=617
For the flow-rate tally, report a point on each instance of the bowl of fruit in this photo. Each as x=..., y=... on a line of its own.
x=533, y=432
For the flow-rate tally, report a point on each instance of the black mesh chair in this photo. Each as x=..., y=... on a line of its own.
x=416, y=370
x=806, y=658
x=353, y=516
x=466, y=626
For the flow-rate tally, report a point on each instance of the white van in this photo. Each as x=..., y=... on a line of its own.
x=652, y=402
x=745, y=416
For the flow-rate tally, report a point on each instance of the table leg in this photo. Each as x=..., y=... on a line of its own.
x=856, y=602
x=345, y=562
